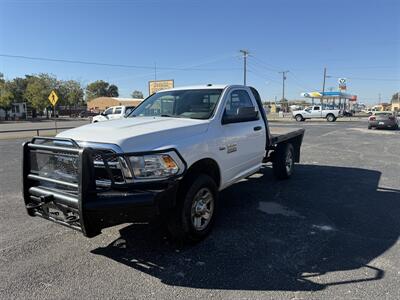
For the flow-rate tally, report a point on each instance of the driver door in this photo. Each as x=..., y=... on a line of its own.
x=242, y=144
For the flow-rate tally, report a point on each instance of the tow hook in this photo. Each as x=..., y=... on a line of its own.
x=71, y=219
x=43, y=200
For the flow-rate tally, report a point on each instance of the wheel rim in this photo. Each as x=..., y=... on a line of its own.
x=289, y=162
x=202, y=209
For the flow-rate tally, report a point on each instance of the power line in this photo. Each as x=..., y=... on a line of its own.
x=265, y=65
x=262, y=76
x=113, y=65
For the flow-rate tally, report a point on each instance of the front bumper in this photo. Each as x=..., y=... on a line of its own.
x=77, y=201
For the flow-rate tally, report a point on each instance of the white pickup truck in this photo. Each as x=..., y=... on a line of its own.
x=112, y=113
x=314, y=112
x=169, y=158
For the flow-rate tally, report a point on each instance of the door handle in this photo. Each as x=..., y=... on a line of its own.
x=257, y=128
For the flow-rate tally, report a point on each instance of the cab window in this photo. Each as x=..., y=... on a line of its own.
x=118, y=110
x=237, y=99
x=108, y=111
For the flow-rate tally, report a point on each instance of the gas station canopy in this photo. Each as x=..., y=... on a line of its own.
x=338, y=95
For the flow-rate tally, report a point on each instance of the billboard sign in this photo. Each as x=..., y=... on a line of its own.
x=159, y=85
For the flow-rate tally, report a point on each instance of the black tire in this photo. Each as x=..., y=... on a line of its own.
x=282, y=164
x=180, y=221
x=369, y=127
x=299, y=118
x=330, y=118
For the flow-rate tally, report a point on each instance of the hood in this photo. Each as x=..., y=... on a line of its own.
x=139, y=133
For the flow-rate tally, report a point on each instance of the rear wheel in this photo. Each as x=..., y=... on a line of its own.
x=369, y=127
x=331, y=118
x=299, y=118
x=194, y=215
x=283, y=163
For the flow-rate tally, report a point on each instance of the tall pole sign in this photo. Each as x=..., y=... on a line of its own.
x=342, y=84
x=53, y=98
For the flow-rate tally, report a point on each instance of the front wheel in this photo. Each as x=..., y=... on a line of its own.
x=283, y=162
x=193, y=217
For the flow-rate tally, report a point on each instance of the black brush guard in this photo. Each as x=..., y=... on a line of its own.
x=75, y=201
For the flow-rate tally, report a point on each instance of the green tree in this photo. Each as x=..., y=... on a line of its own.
x=18, y=87
x=96, y=89
x=101, y=88
x=38, y=90
x=137, y=94
x=112, y=91
x=70, y=92
x=6, y=96
x=395, y=97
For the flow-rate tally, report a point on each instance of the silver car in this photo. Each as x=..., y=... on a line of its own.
x=383, y=120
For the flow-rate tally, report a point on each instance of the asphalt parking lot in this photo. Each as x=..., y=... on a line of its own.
x=331, y=231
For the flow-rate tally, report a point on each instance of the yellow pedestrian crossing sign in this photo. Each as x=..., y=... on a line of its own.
x=53, y=98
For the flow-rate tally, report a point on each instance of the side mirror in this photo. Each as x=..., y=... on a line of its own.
x=244, y=114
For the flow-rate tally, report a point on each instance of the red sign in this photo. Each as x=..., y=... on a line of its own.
x=353, y=98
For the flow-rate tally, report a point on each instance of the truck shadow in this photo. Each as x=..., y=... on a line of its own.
x=277, y=235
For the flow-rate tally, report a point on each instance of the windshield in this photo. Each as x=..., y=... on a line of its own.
x=195, y=104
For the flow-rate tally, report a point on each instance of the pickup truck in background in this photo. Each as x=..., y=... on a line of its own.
x=168, y=159
x=113, y=112
x=314, y=112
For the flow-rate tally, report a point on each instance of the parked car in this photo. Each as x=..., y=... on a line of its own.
x=316, y=111
x=87, y=113
x=347, y=113
x=383, y=120
x=112, y=113
x=170, y=158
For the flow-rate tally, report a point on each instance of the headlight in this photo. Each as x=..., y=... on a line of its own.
x=156, y=166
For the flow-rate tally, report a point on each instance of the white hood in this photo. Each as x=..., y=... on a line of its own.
x=138, y=133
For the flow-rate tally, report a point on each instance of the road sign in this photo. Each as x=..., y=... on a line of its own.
x=53, y=98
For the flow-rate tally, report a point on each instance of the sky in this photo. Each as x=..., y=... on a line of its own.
x=198, y=42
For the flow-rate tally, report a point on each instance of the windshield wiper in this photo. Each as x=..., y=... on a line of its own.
x=166, y=115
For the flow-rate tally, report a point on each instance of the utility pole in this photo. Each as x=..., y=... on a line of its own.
x=245, y=54
x=283, y=84
x=323, y=89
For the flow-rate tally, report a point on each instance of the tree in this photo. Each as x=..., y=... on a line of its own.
x=112, y=91
x=395, y=97
x=38, y=90
x=70, y=92
x=6, y=96
x=18, y=87
x=101, y=88
x=137, y=94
